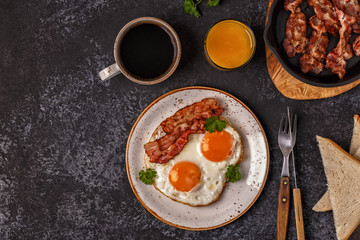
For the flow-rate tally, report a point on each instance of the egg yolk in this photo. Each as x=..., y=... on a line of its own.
x=217, y=146
x=184, y=176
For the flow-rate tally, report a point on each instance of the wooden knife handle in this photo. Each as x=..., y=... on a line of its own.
x=298, y=214
x=283, y=208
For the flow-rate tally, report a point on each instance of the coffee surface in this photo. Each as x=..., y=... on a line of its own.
x=147, y=51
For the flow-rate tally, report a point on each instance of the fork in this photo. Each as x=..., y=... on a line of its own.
x=286, y=139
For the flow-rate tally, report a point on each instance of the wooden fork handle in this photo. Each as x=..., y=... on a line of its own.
x=298, y=214
x=283, y=208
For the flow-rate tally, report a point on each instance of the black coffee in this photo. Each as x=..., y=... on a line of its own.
x=147, y=51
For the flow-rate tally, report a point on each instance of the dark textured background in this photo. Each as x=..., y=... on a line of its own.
x=63, y=131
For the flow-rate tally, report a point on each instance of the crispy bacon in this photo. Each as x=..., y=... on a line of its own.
x=335, y=60
x=325, y=11
x=295, y=40
x=166, y=141
x=356, y=27
x=152, y=149
x=292, y=5
x=356, y=46
x=351, y=8
x=184, y=117
x=190, y=119
x=348, y=53
x=314, y=56
x=175, y=148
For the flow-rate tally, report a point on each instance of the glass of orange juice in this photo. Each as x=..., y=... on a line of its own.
x=229, y=45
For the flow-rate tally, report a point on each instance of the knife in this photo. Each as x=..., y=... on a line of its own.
x=296, y=193
x=298, y=207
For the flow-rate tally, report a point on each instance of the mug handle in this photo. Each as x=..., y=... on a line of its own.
x=109, y=72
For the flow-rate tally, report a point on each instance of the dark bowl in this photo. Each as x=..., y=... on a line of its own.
x=274, y=35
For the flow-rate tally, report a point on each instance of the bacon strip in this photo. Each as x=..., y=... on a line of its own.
x=175, y=148
x=178, y=127
x=335, y=60
x=314, y=56
x=356, y=46
x=295, y=40
x=198, y=111
x=351, y=8
x=325, y=11
x=292, y=5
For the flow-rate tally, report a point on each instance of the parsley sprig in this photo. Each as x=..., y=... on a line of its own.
x=147, y=176
x=233, y=174
x=213, y=123
x=213, y=3
x=191, y=6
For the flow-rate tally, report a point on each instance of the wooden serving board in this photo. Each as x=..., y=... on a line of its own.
x=295, y=89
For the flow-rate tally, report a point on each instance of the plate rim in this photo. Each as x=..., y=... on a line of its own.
x=133, y=129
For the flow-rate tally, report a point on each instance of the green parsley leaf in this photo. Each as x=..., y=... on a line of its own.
x=213, y=3
x=190, y=7
x=213, y=123
x=147, y=177
x=233, y=174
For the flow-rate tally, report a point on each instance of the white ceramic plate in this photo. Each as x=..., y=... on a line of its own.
x=236, y=198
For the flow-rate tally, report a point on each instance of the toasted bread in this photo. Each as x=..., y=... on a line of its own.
x=357, y=154
x=355, y=141
x=324, y=204
x=343, y=176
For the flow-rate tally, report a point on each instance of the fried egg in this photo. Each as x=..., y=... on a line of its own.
x=196, y=176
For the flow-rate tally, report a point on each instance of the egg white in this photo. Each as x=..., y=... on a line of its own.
x=212, y=173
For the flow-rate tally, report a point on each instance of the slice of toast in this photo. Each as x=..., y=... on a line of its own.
x=357, y=154
x=355, y=141
x=343, y=176
x=324, y=204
